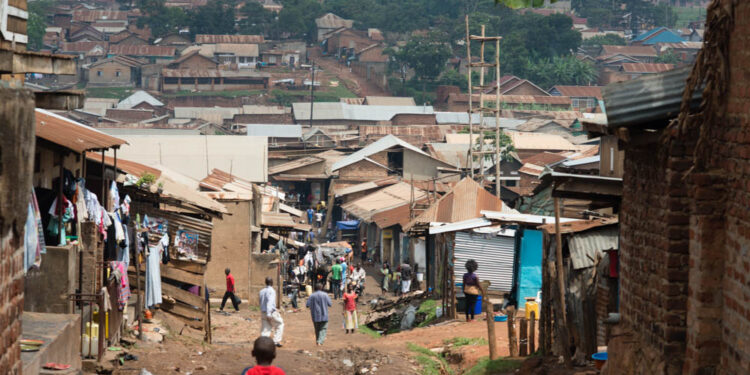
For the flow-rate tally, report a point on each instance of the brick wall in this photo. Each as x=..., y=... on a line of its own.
x=16, y=162
x=685, y=289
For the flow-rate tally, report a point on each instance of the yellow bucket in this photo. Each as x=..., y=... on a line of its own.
x=532, y=306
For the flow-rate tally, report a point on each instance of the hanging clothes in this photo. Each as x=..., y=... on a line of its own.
x=41, y=245
x=114, y=195
x=54, y=228
x=153, y=275
x=120, y=272
x=31, y=256
x=164, y=248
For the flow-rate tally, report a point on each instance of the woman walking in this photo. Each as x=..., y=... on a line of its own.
x=471, y=288
x=386, y=271
x=350, y=310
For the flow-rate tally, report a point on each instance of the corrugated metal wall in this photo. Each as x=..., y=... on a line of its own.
x=495, y=256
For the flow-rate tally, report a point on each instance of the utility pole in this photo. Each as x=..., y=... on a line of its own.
x=312, y=92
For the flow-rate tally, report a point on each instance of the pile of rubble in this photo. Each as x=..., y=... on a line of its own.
x=395, y=314
x=355, y=360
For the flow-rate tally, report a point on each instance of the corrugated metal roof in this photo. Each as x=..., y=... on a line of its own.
x=646, y=67
x=274, y=130
x=353, y=112
x=390, y=100
x=629, y=50
x=340, y=192
x=207, y=113
x=581, y=161
x=274, y=219
x=385, y=143
x=455, y=154
x=138, y=97
x=141, y=50
x=580, y=91
x=382, y=200
x=456, y=118
x=80, y=47
x=70, y=134
x=294, y=164
x=648, y=99
x=127, y=166
x=332, y=21
x=219, y=180
x=462, y=138
x=89, y=16
x=398, y=215
x=539, y=141
x=465, y=201
x=523, y=218
x=544, y=159
x=231, y=39
x=586, y=247
x=209, y=50
x=531, y=169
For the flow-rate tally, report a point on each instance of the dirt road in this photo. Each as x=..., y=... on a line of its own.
x=359, y=85
x=233, y=334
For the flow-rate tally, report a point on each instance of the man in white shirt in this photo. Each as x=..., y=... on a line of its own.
x=358, y=275
x=270, y=317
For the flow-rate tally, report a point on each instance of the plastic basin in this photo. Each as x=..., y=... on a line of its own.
x=501, y=318
x=599, y=359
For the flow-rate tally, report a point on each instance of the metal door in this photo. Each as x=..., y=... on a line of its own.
x=494, y=254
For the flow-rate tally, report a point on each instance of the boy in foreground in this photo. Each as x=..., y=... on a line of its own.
x=264, y=351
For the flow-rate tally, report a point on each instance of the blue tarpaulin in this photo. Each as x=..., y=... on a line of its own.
x=347, y=225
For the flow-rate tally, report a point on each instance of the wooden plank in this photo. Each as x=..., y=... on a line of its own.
x=190, y=322
x=532, y=333
x=184, y=310
x=182, y=295
x=188, y=266
x=523, y=345
x=512, y=340
x=180, y=275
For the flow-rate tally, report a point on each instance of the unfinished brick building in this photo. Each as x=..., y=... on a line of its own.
x=685, y=220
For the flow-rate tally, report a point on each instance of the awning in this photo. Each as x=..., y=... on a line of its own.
x=347, y=225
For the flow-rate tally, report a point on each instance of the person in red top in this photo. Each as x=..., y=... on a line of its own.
x=350, y=310
x=264, y=351
x=230, y=292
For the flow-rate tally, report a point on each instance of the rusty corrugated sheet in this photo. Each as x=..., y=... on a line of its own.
x=635, y=51
x=90, y=16
x=72, y=135
x=465, y=201
x=141, y=50
x=646, y=67
x=580, y=91
x=294, y=164
x=273, y=219
x=233, y=39
x=127, y=166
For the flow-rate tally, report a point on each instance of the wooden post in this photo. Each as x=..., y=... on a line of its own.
x=329, y=211
x=523, y=349
x=138, y=302
x=60, y=206
x=490, y=314
x=562, y=324
x=512, y=341
x=532, y=333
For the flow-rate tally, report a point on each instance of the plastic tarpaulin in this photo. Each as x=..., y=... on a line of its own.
x=529, y=266
x=347, y=225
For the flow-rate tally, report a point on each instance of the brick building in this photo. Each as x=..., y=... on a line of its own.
x=684, y=239
x=115, y=71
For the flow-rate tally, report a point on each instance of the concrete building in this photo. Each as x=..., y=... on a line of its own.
x=330, y=22
x=212, y=80
x=118, y=71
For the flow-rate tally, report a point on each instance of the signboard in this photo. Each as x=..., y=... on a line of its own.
x=186, y=244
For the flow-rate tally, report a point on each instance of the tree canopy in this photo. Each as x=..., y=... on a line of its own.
x=36, y=24
x=606, y=39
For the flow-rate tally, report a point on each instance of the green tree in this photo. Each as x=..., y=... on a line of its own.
x=668, y=57
x=218, y=17
x=159, y=18
x=258, y=20
x=427, y=56
x=36, y=25
x=298, y=18
x=564, y=70
x=605, y=40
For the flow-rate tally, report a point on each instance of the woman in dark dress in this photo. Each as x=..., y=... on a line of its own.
x=471, y=288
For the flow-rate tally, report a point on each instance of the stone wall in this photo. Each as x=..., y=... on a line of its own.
x=17, y=143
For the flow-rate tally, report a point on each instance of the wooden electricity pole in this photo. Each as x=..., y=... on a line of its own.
x=490, y=314
x=562, y=323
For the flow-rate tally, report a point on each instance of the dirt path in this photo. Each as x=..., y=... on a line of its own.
x=361, y=86
x=234, y=332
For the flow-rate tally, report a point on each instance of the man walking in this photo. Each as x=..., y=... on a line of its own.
x=405, y=277
x=336, y=273
x=230, y=292
x=318, y=303
x=270, y=317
